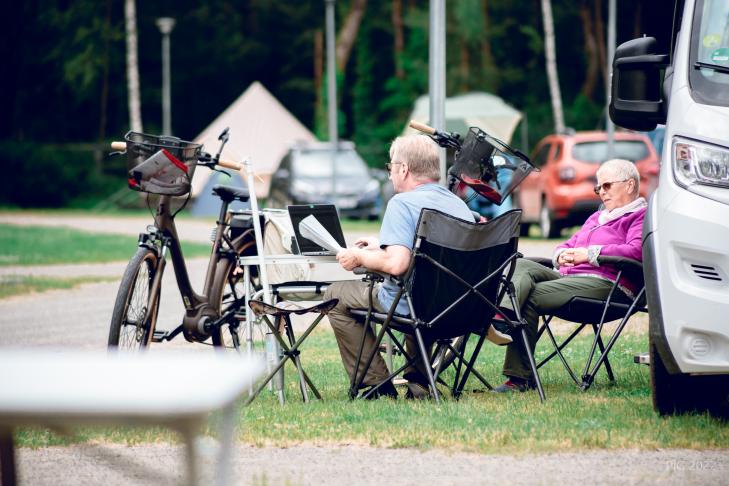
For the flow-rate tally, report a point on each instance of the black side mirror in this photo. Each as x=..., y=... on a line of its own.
x=635, y=98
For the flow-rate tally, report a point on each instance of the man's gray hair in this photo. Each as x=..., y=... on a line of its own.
x=622, y=169
x=420, y=153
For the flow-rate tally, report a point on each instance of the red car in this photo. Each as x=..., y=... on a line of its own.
x=561, y=194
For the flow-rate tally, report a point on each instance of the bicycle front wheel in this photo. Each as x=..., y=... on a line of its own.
x=135, y=311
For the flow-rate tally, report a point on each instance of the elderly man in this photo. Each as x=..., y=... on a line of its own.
x=414, y=171
x=615, y=230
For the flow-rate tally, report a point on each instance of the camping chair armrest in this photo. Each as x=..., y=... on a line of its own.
x=633, y=268
x=547, y=262
x=370, y=274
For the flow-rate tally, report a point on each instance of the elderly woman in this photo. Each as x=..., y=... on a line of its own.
x=615, y=229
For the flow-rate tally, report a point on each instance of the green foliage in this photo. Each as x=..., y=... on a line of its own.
x=20, y=284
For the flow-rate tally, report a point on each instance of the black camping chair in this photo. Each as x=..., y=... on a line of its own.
x=458, y=272
x=595, y=313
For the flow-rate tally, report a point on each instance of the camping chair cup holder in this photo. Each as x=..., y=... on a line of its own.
x=468, y=266
x=595, y=313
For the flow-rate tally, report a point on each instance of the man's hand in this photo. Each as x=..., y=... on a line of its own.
x=572, y=257
x=348, y=259
x=368, y=242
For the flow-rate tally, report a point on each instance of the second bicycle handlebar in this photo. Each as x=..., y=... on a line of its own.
x=228, y=164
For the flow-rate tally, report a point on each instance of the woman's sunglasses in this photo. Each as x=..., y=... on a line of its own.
x=607, y=186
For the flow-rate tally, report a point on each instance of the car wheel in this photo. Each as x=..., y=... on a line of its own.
x=547, y=224
x=680, y=393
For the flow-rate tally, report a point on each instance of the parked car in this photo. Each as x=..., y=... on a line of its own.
x=561, y=194
x=304, y=176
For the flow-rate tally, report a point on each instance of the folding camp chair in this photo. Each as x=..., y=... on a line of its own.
x=595, y=313
x=457, y=274
x=281, y=311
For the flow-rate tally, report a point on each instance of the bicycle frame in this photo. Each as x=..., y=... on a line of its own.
x=197, y=306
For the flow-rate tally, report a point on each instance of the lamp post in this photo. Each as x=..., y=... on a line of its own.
x=165, y=25
x=436, y=76
x=332, y=92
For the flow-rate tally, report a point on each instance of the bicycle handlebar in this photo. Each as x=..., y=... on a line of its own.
x=228, y=164
x=422, y=127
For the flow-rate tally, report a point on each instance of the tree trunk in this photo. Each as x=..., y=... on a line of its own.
x=135, y=105
x=592, y=68
x=601, y=41
x=318, y=68
x=551, y=60
x=398, y=37
x=348, y=34
x=487, y=56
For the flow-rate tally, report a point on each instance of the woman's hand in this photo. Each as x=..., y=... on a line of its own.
x=572, y=256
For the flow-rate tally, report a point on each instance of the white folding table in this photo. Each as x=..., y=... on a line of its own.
x=75, y=388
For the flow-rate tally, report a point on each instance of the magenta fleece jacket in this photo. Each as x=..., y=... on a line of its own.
x=619, y=237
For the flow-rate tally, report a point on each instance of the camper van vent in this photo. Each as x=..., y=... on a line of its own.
x=706, y=272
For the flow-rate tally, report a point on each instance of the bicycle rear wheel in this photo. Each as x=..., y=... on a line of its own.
x=227, y=293
x=134, y=315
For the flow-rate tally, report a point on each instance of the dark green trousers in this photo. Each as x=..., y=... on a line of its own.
x=540, y=291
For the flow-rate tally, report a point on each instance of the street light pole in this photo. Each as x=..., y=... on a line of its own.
x=610, y=55
x=332, y=92
x=436, y=75
x=165, y=25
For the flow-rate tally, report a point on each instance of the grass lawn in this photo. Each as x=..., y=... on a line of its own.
x=605, y=417
x=20, y=284
x=20, y=245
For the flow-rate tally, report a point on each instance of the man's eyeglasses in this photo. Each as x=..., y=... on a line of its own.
x=389, y=165
x=607, y=186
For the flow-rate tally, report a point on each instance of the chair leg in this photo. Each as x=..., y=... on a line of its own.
x=296, y=359
x=558, y=352
x=424, y=355
x=608, y=368
x=532, y=363
x=470, y=368
x=591, y=376
x=557, y=348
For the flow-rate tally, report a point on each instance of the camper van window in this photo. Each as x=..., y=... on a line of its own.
x=709, y=73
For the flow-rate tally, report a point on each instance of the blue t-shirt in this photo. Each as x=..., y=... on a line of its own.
x=400, y=223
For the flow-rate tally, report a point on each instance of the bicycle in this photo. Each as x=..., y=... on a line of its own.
x=164, y=166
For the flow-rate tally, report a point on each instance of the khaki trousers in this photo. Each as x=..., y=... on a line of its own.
x=348, y=331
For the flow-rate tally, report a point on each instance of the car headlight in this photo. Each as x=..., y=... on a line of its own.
x=696, y=163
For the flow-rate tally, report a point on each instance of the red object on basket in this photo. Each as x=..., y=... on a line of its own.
x=175, y=161
x=482, y=188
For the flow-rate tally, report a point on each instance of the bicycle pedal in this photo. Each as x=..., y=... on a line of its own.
x=159, y=336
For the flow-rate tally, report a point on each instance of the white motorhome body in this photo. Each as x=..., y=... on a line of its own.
x=686, y=230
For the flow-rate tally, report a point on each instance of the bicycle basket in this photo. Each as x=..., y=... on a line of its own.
x=489, y=166
x=160, y=164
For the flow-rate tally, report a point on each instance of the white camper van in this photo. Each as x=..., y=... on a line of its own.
x=686, y=232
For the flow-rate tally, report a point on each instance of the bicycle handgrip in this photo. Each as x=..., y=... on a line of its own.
x=119, y=145
x=422, y=127
x=228, y=164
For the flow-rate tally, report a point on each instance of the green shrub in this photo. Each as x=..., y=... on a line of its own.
x=46, y=175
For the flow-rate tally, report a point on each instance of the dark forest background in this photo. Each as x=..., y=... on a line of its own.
x=63, y=90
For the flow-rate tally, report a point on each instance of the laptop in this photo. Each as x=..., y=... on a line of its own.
x=327, y=216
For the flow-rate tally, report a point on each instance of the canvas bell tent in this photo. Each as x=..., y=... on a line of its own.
x=261, y=129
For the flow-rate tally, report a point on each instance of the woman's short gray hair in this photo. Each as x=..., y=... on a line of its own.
x=622, y=169
x=420, y=153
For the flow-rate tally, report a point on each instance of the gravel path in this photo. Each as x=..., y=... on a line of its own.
x=161, y=464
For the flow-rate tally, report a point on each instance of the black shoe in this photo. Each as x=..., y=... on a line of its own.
x=513, y=385
x=386, y=390
x=417, y=391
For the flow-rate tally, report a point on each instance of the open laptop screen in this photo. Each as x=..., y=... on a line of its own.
x=327, y=216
